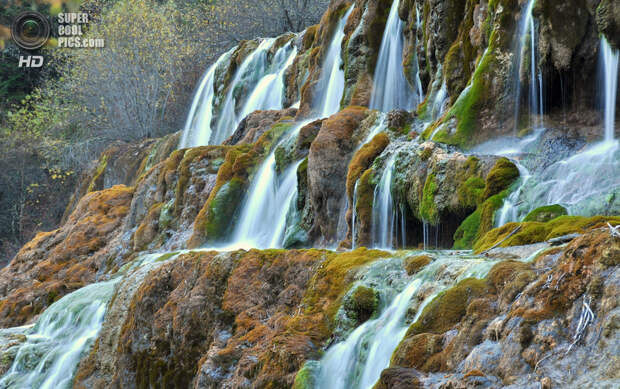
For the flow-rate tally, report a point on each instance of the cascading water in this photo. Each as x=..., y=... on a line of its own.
x=379, y=126
x=263, y=218
x=49, y=356
x=391, y=90
x=331, y=83
x=609, y=60
x=357, y=361
x=249, y=73
x=527, y=40
x=385, y=215
x=53, y=347
x=269, y=92
x=584, y=182
x=197, y=130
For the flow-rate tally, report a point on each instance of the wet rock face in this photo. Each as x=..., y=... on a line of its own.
x=608, y=21
x=255, y=125
x=529, y=326
x=328, y=159
x=56, y=263
x=212, y=320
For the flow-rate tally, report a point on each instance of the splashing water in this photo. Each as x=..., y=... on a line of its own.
x=54, y=346
x=357, y=361
x=331, y=83
x=391, y=90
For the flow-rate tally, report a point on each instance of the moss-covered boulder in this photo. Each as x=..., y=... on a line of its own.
x=503, y=174
x=362, y=303
x=489, y=197
x=415, y=263
x=546, y=213
x=329, y=156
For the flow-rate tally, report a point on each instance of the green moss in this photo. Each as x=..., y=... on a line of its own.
x=363, y=303
x=534, y=232
x=470, y=192
x=510, y=277
x=428, y=208
x=222, y=210
x=466, y=108
x=166, y=216
x=501, y=176
x=447, y=309
x=364, y=202
x=546, y=213
x=479, y=222
x=305, y=377
x=330, y=283
x=466, y=233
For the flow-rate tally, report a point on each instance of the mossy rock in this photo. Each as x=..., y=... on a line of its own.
x=416, y=263
x=501, y=176
x=328, y=286
x=535, y=232
x=362, y=303
x=470, y=192
x=363, y=205
x=447, y=309
x=222, y=210
x=306, y=376
x=546, y=213
x=363, y=158
x=509, y=278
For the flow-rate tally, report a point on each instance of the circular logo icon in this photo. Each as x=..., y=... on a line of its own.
x=30, y=30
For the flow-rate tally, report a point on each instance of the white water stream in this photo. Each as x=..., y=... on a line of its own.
x=391, y=90
x=330, y=86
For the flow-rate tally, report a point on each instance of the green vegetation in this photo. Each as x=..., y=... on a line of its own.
x=428, y=208
x=546, y=213
x=534, y=232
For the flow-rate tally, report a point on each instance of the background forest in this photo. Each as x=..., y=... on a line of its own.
x=55, y=120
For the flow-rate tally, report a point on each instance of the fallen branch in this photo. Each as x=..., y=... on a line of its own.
x=502, y=241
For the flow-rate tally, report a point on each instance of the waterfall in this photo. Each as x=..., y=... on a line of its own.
x=250, y=72
x=197, y=130
x=384, y=215
x=270, y=90
x=527, y=35
x=609, y=60
x=263, y=218
x=54, y=346
x=380, y=125
x=358, y=360
x=331, y=83
x=354, y=217
x=391, y=90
